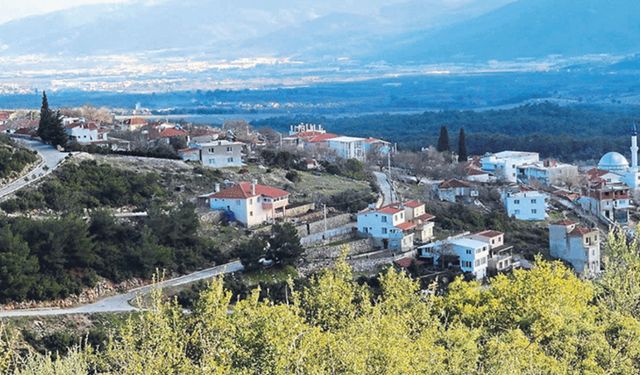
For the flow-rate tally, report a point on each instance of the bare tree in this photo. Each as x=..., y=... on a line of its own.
x=426, y=164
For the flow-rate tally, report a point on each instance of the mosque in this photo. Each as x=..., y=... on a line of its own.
x=617, y=164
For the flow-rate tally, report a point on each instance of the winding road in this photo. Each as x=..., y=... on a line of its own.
x=385, y=188
x=121, y=302
x=51, y=159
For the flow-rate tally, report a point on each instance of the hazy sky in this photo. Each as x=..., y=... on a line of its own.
x=13, y=9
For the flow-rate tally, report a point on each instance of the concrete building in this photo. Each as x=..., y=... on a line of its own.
x=500, y=254
x=576, y=245
x=547, y=172
x=85, y=133
x=471, y=255
x=529, y=205
x=608, y=202
x=251, y=203
x=504, y=165
x=455, y=190
x=388, y=227
x=221, y=154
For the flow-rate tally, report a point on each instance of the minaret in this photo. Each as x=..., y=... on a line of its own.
x=634, y=149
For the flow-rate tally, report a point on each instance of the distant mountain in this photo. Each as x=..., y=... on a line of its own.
x=224, y=29
x=526, y=29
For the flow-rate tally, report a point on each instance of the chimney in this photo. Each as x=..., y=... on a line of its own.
x=253, y=186
x=216, y=188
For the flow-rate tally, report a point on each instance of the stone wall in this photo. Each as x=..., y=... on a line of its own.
x=318, y=226
x=355, y=247
x=300, y=210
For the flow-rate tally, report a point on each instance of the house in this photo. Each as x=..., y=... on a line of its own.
x=134, y=123
x=470, y=255
x=189, y=154
x=415, y=213
x=504, y=165
x=500, y=255
x=528, y=205
x=84, y=133
x=388, y=227
x=453, y=190
x=218, y=154
x=576, y=245
x=608, y=202
x=348, y=147
x=251, y=203
x=547, y=172
x=477, y=175
x=164, y=133
x=596, y=175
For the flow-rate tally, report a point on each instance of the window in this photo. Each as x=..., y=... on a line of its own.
x=212, y=150
x=517, y=212
x=493, y=242
x=534, y=211
x=533, y=201
x=384, y=219
x=229, y=149
x=516, y=201
x=468, y=251
x=212, y=161
x=384, y=230
x=229, y=160
x=250, y=213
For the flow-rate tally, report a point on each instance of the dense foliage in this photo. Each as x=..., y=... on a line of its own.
x=282, y=247
x=13, y=159
x=543, y=321
x=568, y=133
x=52, y=258
x=89, y=185
x=50, y=128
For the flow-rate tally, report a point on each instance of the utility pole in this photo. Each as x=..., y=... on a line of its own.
x=324, y=211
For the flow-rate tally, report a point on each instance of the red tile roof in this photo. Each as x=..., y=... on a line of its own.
x=135, y=121
x=173, y=132
x=475, y=172
x=406, y=226
x=489, y=233
x=243, y=191
x=425, y=217
x=390, y=209
x=580, y=231
x=321, y=138
x=90, y=126
x=406, y=262
x=448, y=184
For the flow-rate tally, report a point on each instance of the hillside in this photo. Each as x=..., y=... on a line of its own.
x=527, y=29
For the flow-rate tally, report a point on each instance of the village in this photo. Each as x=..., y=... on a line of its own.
x=563, y=211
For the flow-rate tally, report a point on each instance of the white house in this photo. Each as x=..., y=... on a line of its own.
x=500, y=256
x=219, y=154
x=504, y=165
x=473, y=255
x=348, y=147
x=576, y=245
x=452, y=190
x=387, y=226
x=525, y=205
x=85, y=132
x=251, y=203
x=546, y=172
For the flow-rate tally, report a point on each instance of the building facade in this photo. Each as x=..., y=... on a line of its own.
x=576, y=245
x=525, y=205
x=504, y=165
x=251, y=203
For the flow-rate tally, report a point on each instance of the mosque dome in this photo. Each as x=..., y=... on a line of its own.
x=613, y=162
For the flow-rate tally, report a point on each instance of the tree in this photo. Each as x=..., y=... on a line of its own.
x=284, y=244
x=19, y=268
x=50, y=128
x=443, y=140
x=462, y=147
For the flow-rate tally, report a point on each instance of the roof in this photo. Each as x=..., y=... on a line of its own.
x=90, y=125
x=172, y=132
x=406, y=226
x=406, y=262
x=475, y=172
x=243, y=191
x=595, y=172
x=613, y=161
x=413, y=204
x=468, y=242
x=185, y=150
x=425, y=217
x=564, y=222
x=448, y=184
x=135, y=121
x=390, y=209
x=346, y=139
x=580, y=231
x=489, y=233
x=321, y=137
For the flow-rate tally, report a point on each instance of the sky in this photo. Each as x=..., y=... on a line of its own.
x=14, y=9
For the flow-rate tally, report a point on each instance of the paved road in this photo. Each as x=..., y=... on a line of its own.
x=120, y=302
x=385, y=188
x=51, y=159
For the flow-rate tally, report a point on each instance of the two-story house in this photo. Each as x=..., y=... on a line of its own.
x=387, y=226
x=215, y=154
x=529, y=205
x=454, y=190
x=500, y=254
x=251, y=203
x=576, y=245
x=469, y=254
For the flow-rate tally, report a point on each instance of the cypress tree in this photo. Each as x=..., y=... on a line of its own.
x=443, y=140
x=462, y=147
x=57, y=135
x=44, y=126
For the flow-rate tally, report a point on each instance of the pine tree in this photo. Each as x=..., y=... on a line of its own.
x=462, y=147
x=443, y=141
